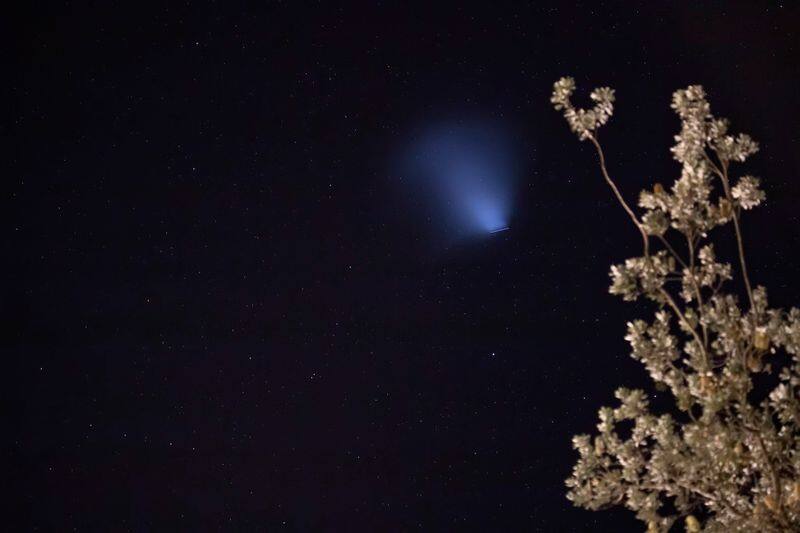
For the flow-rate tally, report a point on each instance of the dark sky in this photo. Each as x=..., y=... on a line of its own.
x=224, y=312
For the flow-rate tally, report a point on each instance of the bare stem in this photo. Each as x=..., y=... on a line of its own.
x=645, y=244
x=672, y=251
x=625, y=206
x=682, y=317
x=727, y=188
x=711, y=163
x=698, y=294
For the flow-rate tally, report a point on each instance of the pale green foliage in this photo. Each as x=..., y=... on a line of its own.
x=583, y=121
x=721, y=460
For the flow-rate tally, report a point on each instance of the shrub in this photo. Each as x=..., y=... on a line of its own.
x=720, y=461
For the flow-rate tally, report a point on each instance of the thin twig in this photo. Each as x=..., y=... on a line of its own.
x=726, y=187
x=645, y=243
x=645, y=240
x=698, y=294
x=672, y=251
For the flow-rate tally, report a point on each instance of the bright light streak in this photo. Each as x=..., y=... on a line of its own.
x=467, y=174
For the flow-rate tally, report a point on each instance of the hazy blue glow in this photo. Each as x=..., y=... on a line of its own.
x=466, y=174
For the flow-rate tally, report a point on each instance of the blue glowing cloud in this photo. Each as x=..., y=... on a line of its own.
x=466, y=173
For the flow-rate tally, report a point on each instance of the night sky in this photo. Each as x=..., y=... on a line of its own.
x=252, y=282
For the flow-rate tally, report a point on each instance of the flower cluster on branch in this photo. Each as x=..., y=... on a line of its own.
x=722, y=460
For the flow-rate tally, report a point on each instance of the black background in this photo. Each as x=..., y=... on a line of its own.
x=222, y=315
